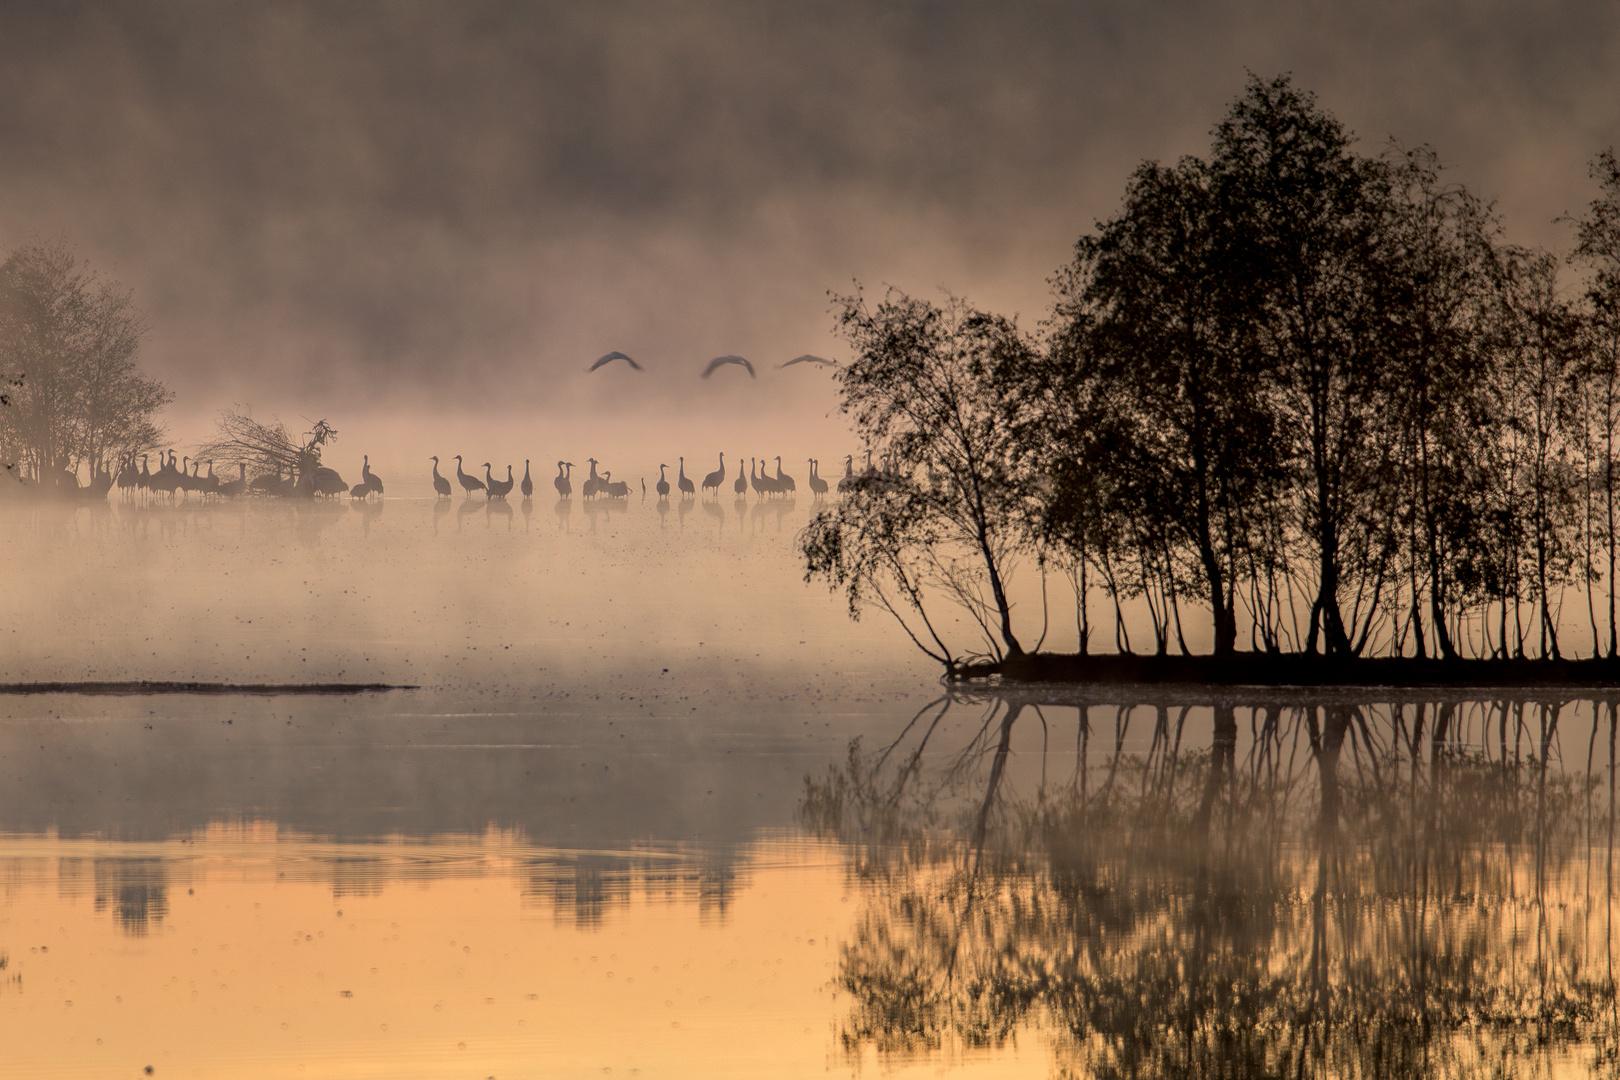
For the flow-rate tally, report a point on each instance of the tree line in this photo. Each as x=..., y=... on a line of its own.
x=1313, y=392
x=69, y=344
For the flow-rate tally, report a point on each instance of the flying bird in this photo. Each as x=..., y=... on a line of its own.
x=720, y=361
x=807, y=358
x=615, y=355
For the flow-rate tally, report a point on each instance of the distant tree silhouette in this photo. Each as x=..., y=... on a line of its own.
x=69, y=340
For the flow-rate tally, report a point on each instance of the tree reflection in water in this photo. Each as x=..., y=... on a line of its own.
x=1350, y=889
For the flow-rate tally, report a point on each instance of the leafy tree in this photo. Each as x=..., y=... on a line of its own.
x=1598, y=248
x=1152, y=300
x=943, y=515
x=1434, y=297
x=70, y=339
x=1538, y=345
x=1305, y=214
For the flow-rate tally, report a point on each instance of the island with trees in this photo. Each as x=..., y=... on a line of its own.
x=1307, y=395
x=75, y=401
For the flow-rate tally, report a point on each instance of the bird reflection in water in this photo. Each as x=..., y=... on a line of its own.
x=527, y=506
x=564, y=510
x=441, y=507
x=1294, y=886
x=465, y=507
x=498, y=508
x=712, y=508
x=369, y=511
x=137, y=891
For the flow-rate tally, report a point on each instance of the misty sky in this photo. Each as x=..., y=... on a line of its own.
x=467, y=203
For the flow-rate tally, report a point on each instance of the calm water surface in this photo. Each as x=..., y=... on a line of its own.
x=660, y=809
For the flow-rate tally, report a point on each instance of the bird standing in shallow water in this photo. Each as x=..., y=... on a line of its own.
x=564, y=486
x=740, y=485
x=818, y=486
x=662, y=487
x=469, y=484
x=368, y=479
x=497, y=489
x=682, y=482
x=441, y=486
x=716, y=478
x=528, y=485
x=232, y=488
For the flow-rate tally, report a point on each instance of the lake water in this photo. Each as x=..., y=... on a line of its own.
x=660, y=809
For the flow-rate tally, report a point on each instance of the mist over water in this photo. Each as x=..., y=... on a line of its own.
x=642, y=801
x=659, y=805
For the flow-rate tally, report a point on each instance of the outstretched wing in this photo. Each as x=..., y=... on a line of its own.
x=807, y=358
x=615, y=355
x=719, y=361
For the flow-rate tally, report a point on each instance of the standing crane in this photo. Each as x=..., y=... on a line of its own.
x=469, y=484
x=818, y=486
x=716, y=478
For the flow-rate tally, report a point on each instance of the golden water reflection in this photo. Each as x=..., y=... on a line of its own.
x=1350, y=888
x=243, y=952
x=1074, y=883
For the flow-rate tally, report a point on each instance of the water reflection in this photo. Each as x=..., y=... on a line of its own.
x=136, y=890
x=1291, y=887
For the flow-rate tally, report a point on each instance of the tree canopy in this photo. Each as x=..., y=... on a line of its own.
x=69, y=343
x=1307, y=389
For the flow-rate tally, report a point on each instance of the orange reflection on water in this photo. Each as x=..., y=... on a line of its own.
x=240, y=952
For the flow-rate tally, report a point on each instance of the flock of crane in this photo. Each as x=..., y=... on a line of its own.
x=187, y=478
x=602, y=485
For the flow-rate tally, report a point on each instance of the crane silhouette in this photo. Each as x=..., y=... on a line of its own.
x=441, y=486
x=564, y=486
x=527, y=486
x=818, y=486
x=593, y=483
x=808, y=358
x=682, y=482
x=497, y=489
x=740, y=486
x=784, y=482
x=612, y=356
x=662, y=487
x=614, y=489
x=721, y=361
x=232, y=488
x=368, y=479
x=716, y=478
x=847, y=481
x=469, y=484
